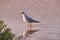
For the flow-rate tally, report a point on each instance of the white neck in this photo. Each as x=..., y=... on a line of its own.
x=24, y=17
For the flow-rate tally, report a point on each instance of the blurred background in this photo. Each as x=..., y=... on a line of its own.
x=47, y=11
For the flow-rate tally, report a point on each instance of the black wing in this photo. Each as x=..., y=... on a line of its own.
x=29, y=19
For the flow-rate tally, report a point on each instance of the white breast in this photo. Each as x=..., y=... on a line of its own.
x=24, y=18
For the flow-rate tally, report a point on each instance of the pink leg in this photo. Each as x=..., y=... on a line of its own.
x=30, y=26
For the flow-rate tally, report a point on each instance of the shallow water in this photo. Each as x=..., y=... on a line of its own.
x=46, y=32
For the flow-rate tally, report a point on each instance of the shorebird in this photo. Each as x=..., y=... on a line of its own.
x=28, y=19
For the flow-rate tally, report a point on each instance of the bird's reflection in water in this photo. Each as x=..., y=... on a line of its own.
x=27, y=33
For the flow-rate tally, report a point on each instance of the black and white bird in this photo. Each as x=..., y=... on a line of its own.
x=28, y=19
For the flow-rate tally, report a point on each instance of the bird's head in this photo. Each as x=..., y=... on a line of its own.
x=21, y=12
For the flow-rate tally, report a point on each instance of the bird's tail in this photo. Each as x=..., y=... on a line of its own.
x=37, y=21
